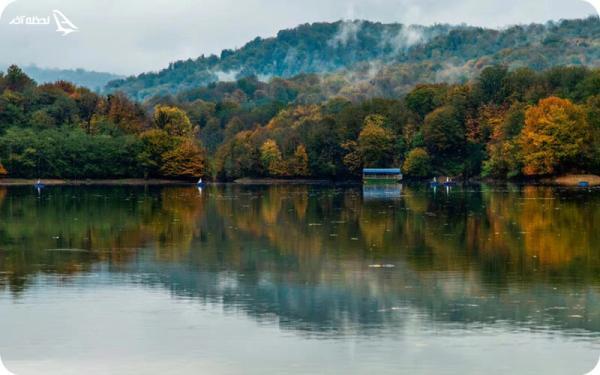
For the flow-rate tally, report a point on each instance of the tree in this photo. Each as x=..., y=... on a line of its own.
x=556, y=137
x=352, y=160
x=87, y=102
x=3, y=171
x=299, y=163
x=503, y=151
x=173, y=120
x=375, y=144
x=186, y=161
x=417, y=163
x=16, y=80
x=237, y=158
x=125, y=114
x=490, y=86
x=425, y=98
x=155, y=144
x=444, y=134
x=593, y=106
x=271, y=158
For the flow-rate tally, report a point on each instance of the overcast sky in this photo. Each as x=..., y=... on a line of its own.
x=133, y=36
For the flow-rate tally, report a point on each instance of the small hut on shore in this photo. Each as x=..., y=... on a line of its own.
x=381, y=175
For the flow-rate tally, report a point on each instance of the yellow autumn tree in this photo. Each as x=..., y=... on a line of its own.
x=556, y=137
x=299, y=163
x=173, y=120
x=271, y=159
x=186, y=161
x=375, y=143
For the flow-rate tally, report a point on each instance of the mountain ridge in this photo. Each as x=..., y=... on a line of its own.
x=325, y=48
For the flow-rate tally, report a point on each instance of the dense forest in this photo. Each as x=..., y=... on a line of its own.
x=502, y=124
x=351, y=54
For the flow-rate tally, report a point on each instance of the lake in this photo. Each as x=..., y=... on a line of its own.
x=299, y=279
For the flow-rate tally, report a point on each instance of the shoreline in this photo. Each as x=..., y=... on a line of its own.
x=90, y=182
x=564, y=181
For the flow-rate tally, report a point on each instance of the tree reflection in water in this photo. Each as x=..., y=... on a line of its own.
x=525, y=256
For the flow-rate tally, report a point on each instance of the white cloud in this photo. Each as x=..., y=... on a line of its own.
x=139, y=35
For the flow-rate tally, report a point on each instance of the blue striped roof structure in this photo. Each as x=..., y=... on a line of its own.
x=381, y=171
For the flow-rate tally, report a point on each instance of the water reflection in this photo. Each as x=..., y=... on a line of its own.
x=527, y=257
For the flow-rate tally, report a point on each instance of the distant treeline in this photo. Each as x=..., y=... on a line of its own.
x=504, y=124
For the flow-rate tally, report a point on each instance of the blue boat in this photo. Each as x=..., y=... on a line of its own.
x=200, y=183
x=39, y=184
x=584, y=184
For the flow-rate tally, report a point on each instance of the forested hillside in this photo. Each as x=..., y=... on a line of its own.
x=379, y=60
x=502, y=124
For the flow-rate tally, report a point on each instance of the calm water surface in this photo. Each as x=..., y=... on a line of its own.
x=299, y=279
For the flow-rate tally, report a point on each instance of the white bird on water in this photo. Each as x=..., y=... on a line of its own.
x=4, y=4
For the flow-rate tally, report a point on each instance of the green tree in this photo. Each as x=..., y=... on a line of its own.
x=425, y=98
x=237, y=158
x=417, y=163
x=490, y=86
x=173, y=120
x=155, y=144
x=445, y=139
x=16, y=80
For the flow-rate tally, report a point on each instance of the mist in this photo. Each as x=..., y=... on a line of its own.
x=145, y=35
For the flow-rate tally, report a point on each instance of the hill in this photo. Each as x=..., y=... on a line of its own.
x=440, y=53
x=92, y=80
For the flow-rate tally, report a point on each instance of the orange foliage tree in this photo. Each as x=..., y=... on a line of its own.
x=3, y=171
x=187, y=161
x=556, y=137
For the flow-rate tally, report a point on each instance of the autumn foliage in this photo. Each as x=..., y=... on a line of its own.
x=186, y=161
x=502, y=124
x=556, y=137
